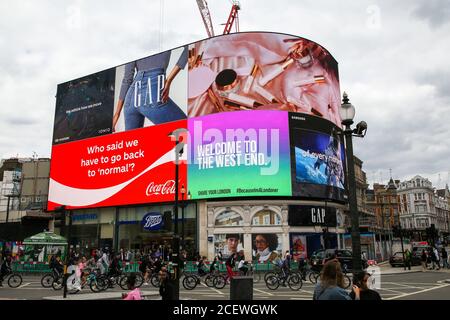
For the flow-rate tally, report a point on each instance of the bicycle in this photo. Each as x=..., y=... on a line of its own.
x=96, y=282
x=13, y=279
x=190, y=281
x=139, y=281
x=293, y=280
x=48, y=278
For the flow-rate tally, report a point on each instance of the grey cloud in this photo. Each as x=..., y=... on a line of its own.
x=439, y=79
x=435, y=12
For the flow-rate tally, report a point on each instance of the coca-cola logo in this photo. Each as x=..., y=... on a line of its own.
x=161, y=189
x=152, y=221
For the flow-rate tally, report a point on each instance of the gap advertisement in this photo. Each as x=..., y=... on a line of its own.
x=312, y=216
x=317, y=158
x=239, y=154
x=136, y=166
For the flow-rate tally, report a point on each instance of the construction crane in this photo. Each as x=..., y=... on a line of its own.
x=206, y=16
x=232, y=17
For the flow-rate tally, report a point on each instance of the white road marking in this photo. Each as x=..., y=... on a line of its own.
x=24, y=285
x=404, y=285
x=421, y=291
x=396, y=292
x=267, y=293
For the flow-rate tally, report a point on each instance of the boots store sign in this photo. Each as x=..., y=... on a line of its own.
x=152, y=221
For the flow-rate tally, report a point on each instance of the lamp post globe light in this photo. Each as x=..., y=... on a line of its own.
x=347, y=113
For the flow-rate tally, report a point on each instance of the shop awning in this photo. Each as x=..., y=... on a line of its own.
x=45, y=238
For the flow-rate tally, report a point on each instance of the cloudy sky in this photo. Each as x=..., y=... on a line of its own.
x=393, y=63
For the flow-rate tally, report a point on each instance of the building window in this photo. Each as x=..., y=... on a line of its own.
x=229, y=218
x=266, y=218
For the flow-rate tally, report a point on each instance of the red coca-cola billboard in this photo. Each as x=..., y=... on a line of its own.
x=130, y=167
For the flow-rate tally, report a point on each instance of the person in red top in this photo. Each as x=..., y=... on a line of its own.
x=230, y=263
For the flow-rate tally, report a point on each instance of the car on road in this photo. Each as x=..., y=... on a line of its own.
x=396, y=260
x=345, y=257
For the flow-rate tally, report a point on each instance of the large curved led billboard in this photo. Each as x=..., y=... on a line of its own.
x=235, y=94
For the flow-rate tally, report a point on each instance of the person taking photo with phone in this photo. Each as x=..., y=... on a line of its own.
x=360, y=289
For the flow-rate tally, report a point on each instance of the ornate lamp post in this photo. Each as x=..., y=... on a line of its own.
x=347, y=113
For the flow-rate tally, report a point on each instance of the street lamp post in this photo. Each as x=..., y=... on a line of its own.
x=183, y=192
x=174, y=291
x=347, y=113
x=401, y=241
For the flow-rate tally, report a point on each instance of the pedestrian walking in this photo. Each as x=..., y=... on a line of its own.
x=423, y=260
x=164, y=284
x=435, y=258
x=331, y=283
x=444, y=256
x=408, y=259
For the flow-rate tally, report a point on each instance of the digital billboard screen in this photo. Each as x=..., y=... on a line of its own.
x=244, y=83
x=262, y=71
x=239, y=154
x=317, y=158
x=130, y=167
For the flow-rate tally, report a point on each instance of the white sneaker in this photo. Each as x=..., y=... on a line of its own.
x=145, y=283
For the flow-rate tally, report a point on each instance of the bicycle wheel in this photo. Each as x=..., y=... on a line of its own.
x=295, y=282
x=347, y=281
x=209, y=280
x=97, y=285
x=272, y=282
x=269, y=274
x=14, y=280
x=57, y=284
x=139, y=280
x=103, y=282
x=155, y=281
x=313, y=276
x=190, y=282
x=123, y=282
x=219, y=282
x=47, y=280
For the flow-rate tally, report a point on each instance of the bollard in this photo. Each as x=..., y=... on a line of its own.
x=241, y=288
